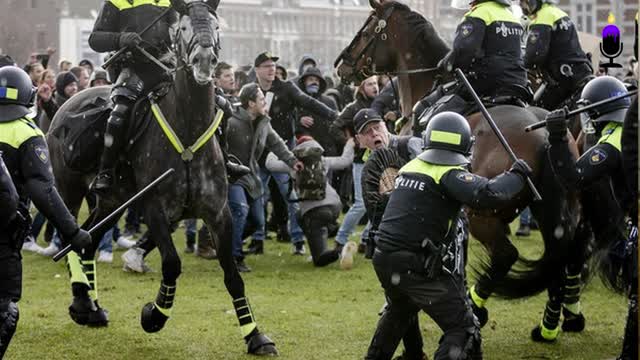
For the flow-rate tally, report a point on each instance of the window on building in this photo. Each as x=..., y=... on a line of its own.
x=584, y=16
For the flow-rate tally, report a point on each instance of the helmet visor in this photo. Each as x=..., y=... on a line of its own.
x=585, y=120
x=461, y=4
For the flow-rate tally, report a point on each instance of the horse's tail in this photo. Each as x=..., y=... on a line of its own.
x=613, y=242
x=557, y=216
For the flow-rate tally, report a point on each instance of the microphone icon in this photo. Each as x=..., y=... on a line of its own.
x=611, y=46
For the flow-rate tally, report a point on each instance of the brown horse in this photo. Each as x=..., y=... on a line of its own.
x=398, y=41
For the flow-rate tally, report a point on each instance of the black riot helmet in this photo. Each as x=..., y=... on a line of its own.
x=447, y=140
x=598, y=89
x=17, y=93
x=530, y=7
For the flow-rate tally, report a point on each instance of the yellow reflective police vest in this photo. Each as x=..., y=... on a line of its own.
x=15, y=133
x=548, y=15
x=130, y=4
x=612, y=135
x=434, y=171
x=490, y=12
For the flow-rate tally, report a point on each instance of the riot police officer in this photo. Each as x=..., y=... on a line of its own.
x=595, y=173
x=27, y=161
x=417, y=261
x=487, y=49
x=553, y=48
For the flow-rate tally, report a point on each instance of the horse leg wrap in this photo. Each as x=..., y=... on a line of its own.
x=548, y=329
x=9, y=315
x=245, y=316
x=89, y=267
x=573, y=318
x=76, y=270
x=155, y=315
x=477, y=305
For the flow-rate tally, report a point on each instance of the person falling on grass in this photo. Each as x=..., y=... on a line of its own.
x=320, y=204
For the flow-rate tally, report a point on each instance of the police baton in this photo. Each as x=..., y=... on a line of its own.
x=118, y=53
x=119, y=210
x=494, y=127
x=571, y=113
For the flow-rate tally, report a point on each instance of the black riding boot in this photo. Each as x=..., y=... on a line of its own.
x=114, y=139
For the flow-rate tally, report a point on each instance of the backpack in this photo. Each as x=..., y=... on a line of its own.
x=311, y=182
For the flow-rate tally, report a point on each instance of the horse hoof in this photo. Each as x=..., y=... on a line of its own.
x=151, y=319
x=260, y=344
x=85, y=311
x=572, y=322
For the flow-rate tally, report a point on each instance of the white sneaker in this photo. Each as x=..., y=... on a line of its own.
x=50, y=250
x=124, y=243
x=31, y=245
x=134, y=260
x=346, y=256
x=105, y=256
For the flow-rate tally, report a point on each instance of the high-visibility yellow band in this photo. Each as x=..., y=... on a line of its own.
x=166, y=312
x=446, y=137
x=209, y=133
x=126, y=4
x=76, y=272
x=477, y=299
x=168, y=131
x=247, y=329
x=549, y=334
x=11, y=94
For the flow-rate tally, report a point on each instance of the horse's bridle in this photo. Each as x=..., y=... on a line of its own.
x=379, y=34
x=183, y=56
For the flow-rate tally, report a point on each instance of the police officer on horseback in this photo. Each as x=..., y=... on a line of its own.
x=26, y=156
x=418, y=259
x=487, y=49
x=554, y=50
x=604, y=207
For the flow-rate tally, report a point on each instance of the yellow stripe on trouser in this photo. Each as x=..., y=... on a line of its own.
x=76, y=271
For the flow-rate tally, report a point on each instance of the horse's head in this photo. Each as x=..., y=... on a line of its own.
x=369, y=50
x=198, y=41
x=392, y=36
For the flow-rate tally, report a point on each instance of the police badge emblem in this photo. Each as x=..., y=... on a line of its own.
x=597, y=156
x=466, y=29
x=41, y=153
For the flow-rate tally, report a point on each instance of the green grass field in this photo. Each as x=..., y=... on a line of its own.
x=310, y=313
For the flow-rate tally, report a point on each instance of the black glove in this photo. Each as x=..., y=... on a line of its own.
x=557, y=122
x=180, y=6
x=80, y=241
x=521, y=167
x=129, y=39
x=224, y=105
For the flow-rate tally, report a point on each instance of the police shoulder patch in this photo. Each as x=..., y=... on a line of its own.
x=42, y=154
x=597, y=156
x=466, y=177
x=466, y=29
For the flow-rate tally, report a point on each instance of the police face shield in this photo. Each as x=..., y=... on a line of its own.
x=461, y=4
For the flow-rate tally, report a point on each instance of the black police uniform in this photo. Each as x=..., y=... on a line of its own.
x=26, y=156
x=600, y=176
x=418, y=259
x=554, y=49
x=8, y=197
x=136, y=75
x=487, y=49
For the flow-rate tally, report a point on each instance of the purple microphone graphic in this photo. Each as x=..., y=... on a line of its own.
x=611, y=45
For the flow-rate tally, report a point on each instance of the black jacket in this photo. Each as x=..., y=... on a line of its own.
x=386, y=101
x=427, y=197
x=286, y=99
x=8, y=196
x=112, y=21
x=26, y=156
x=487, y=45
x=552, y=42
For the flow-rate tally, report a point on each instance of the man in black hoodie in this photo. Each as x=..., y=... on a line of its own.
x=313, y=84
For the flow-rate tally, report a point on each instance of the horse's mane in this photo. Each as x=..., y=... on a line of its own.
x=424, y=36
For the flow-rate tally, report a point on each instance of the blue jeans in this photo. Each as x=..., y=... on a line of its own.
x=357, y=210
x=282, y=180
x=36, y=226
x=525, y=217
x=241, y=207
x=190, y=230
x=107, y=239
